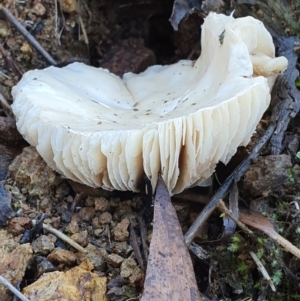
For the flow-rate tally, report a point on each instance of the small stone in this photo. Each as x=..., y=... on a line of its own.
x=101, y=204
x=127, y=267
x=105, y=218
x=124, y=210
x=95, y=222
x=72, y=227
x=43, y=265
x=17, y=195
x=44, y=204
x=131, y=271
x=81, y=238
x=42, y=245
x=61, y=256
x=117, y=281
x=62, y=190
x=90, y=202
x=86, y=213
x=115, y=260
x=116, y=293
x=29, y=170
x=267, y=174
x=17, y=225
x=66, y=216
x=52, y=237
x=15, y=228
x=55, y=222
x=4, y=29
x=38, y=9
x=98, y=231
x=24, y=190
x=97, y=256
x=122, y=248
x=60, y=244
x=137, y=278
x=26, y=48
x=69, y=6
x=120, y=231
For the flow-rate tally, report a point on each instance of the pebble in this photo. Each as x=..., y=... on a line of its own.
x=61, y=256
x=115, y=260
x=120, y=231
x=81, y=238
x=42, y=245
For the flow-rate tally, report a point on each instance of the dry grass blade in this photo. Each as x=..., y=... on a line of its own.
x=263, y=271
x=170, y=274
x=257, y=221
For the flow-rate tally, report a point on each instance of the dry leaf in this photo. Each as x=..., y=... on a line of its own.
x=170, y=274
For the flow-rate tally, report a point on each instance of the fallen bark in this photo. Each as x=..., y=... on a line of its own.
x=170, y=274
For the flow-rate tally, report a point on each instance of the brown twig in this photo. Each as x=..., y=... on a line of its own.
x=143, y=237
x=8, y=15
x=222, y=207
x=135, y=246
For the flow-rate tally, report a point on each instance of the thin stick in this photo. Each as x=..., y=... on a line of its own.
x=65, y=238
x=135, y=246
x=222, y=191
x=257, y=221
x=263, y=271
x=143, y=236
x=38, y=47
x=288, y=246
x=13, y=289
x=222, y=207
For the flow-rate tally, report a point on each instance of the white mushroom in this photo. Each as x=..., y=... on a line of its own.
x=181, y=119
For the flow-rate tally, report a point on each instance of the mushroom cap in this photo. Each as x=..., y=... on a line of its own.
x=180, y=120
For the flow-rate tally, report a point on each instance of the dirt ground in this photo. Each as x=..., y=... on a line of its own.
x=128, y=36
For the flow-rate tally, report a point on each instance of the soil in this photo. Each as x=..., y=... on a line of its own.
x=125, y=36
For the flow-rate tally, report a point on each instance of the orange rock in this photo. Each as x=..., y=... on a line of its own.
x=76, y=284
x=14, y=259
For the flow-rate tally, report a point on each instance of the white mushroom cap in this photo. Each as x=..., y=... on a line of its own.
x=180, y=120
